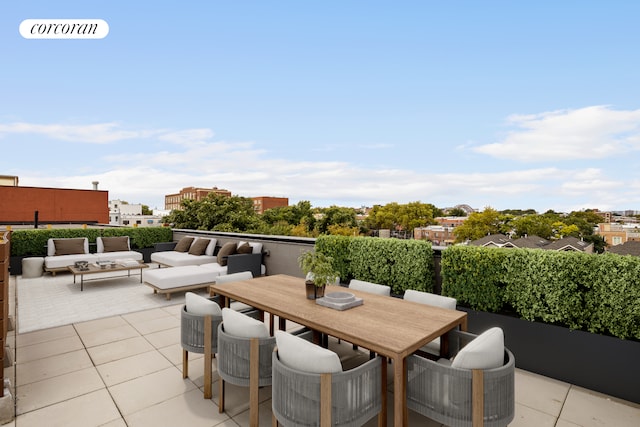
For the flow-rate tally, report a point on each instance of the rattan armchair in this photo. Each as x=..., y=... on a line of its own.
x=244, y=362
x=199, y=334
x=462, y=397
x=348, y=398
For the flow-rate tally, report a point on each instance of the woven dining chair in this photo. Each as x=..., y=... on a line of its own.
x=431, y=349
x=330, y=398
x=199, y=320
x=475, y=389
x=244, y=357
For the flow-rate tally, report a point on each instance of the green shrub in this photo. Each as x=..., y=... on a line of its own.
x=34, y=242
x=336, y=247
x=474, y=276
x=400, y=264
x=596, y=293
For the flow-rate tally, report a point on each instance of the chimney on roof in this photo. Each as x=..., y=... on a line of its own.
x=95, y=184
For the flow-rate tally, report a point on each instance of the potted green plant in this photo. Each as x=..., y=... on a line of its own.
x=319, y=272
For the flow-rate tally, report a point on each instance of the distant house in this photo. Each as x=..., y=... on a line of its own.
x=531, y=242
x=630, y=247
x=534, y=242
x=492, y=240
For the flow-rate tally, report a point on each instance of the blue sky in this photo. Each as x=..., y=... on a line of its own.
x=490, y=103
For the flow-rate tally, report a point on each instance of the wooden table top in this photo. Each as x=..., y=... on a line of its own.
x=388, y=326
x=95, y=269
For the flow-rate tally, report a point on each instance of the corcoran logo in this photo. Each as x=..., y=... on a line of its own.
x=64, y=28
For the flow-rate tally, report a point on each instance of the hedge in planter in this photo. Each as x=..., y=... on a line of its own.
x=596, y=293
x=34, y=242
x=401, y=264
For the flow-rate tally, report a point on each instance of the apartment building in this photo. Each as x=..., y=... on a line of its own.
x=130, y=215
x=173, y=201
x=262, y=203
x=617, y=234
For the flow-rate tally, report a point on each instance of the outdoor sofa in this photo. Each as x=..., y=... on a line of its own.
x=64, y=252
x=196, y=262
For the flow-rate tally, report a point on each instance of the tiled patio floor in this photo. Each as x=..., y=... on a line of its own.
x=126, y=371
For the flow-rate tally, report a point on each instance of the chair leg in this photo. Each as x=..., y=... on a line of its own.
x=185, y=363
x=208, y=359
x=220, y=395
x=254, y=373
x=274, y=421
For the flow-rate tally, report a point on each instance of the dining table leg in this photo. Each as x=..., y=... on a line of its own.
x=400, y=410
x=382, y=416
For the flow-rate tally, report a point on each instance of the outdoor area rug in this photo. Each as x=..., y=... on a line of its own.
x=48, y=301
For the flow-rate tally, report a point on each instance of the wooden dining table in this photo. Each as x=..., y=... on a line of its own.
x=391, y=327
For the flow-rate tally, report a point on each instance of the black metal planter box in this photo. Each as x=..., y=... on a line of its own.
x=601, y=363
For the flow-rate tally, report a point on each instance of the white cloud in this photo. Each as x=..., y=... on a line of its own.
x=99, y=133
x=141, y=174
x=586, y=133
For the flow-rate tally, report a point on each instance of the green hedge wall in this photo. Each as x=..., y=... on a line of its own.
x=401, y=264
x=34, y=242
x=596, y=293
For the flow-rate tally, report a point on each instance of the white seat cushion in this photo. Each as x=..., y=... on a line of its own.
x=241, y=325
x=214, y=267
x=300, y=354
x=113, y=256
x=176, y=277
x=62, y=261
x=175, y=259
x=486, y=351
x=201, y=306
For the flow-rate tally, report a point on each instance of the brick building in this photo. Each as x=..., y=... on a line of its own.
x=173, y=201
x=18, y=205
x=261, y=204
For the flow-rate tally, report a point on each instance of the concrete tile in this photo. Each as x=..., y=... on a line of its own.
x=143, y=392
x=48, y=348
x=173, y=353
x=84, y=328
x=540, y=393
x=40, y=394
x=145, y=315
x=109, y=352
x=99, y=337
x=91, y=409
x=529, y=417
x=49, y=367
x=45, y=335
x=126, y=369
x=188, y=409
x=264, y=415
x=158, y=324
x=563, y=423
x=164, y=338
x=236, y=398
x=174, y=310
x=590, y=409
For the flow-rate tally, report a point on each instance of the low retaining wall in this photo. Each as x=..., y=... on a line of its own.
x=601, y=363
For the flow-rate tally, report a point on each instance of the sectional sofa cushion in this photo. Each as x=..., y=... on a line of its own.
x=184, y=244
x=198, y=247
x=114, y=244
x=245, y=248
x=255, y=246
x=227, y=249
x=69, y=246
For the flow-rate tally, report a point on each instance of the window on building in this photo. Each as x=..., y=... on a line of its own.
x=138, y=222
x=125, y=222
x=617, y=240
